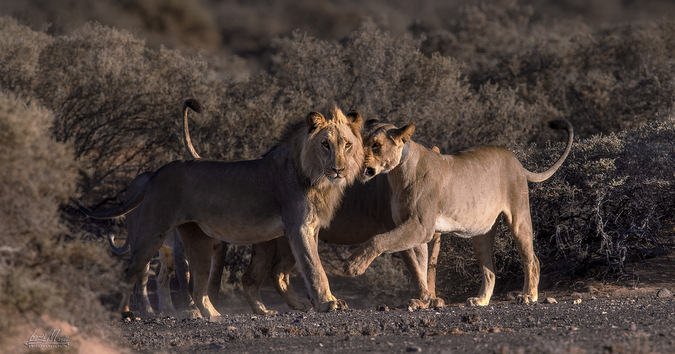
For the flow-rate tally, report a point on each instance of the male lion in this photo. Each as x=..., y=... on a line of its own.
x=295, y=188
x=463, y=193
x=364, y=212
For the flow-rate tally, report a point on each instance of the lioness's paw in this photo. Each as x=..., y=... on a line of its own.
x=525, y=299
x=416, y=304
x=356, y=264
x=476, y=301
x=191, y=314
x=436, y=302
x=301, y=305
x=332, y=306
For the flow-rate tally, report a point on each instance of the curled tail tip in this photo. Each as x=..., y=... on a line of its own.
x=192, y=104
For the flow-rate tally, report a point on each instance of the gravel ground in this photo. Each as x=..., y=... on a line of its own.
x=623, y=322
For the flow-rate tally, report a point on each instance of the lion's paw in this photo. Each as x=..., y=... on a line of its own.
x=476, y=301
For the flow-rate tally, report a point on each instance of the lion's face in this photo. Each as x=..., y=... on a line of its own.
x=383, y=146
x=333, y=152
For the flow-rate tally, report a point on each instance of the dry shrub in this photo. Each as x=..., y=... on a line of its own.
x=41, y=275
x=21, y=48
x=118, y=103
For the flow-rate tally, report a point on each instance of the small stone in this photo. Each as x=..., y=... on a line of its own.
x=550, y=300
x=471, y=318
x=591, y=290
x=383, y=308
x=576, y=301
x=664, y=293
x=456, y=331
x=413, y=349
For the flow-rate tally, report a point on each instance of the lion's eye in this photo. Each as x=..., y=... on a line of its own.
x=348, y=146
x=326, y=144
x=376, y=145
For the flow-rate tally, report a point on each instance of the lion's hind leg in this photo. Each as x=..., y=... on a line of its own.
x=199, y=249
x=483, y=248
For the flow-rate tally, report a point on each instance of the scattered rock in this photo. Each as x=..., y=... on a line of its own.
x=413, y=349
x=576, y=301
x=592, y=290
x=664, y=293
x=471, y=318
x=550, y=300
x=383, y=308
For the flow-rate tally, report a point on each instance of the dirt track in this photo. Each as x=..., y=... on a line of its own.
x=623, y=322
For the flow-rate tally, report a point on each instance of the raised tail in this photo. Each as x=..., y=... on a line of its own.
x=197, y=107
x=542, y=176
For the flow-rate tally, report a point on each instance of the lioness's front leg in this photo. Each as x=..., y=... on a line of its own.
x=411, y=233
x=303, y=240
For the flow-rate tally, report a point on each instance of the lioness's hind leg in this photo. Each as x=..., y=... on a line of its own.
x=483, y=248
x=163, y=279
x=416, y=260
x=262, y=257
x=521, y=229
x=281, y=276
x=434, y=247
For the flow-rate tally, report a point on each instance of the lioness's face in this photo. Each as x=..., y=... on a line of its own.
x=383, y=146
x=335, y=146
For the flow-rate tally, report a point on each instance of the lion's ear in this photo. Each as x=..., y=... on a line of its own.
x=315, y=120
x=355, y=120
x=403, y=134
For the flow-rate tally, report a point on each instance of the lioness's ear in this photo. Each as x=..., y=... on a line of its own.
x=403, y=134
x=355, y=120
x=315, y=120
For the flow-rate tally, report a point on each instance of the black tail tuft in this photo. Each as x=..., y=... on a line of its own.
x=193, y=104
x=559, y=124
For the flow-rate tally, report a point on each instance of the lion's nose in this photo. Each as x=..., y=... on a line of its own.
x=338, y=171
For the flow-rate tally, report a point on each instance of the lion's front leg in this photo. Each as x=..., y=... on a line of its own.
x=303, y=240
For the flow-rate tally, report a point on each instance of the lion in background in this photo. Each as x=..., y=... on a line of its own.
x=295, y=187
x=463, y=193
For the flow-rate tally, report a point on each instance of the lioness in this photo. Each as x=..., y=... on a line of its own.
x=295, y=187
x=365, y=211
x=463, y=193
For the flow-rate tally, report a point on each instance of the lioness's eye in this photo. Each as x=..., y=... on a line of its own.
x=326, y=144
x=348, y=146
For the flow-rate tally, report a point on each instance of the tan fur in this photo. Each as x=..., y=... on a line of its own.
x=463, y=193
x=295, y=187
